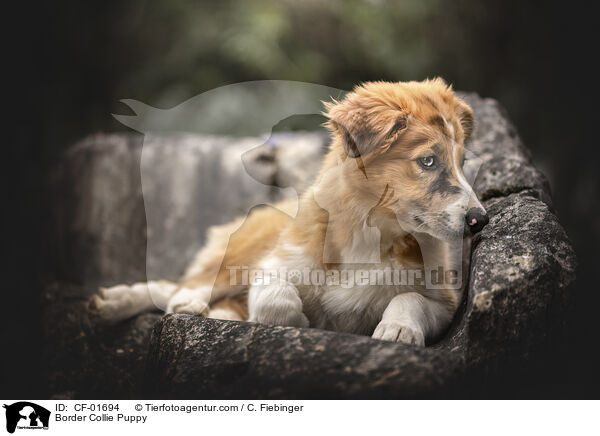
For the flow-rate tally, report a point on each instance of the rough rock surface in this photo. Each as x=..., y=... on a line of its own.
x=193, y=357
x=522, y=264
x=108, y=232
x=86, y=359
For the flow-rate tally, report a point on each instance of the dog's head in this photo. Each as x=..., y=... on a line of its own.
x=408, y=143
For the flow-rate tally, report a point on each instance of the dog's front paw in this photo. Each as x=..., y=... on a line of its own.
x=396, y=331
x=194, y=301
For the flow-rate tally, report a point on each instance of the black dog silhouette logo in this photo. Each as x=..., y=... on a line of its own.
x=26, y=415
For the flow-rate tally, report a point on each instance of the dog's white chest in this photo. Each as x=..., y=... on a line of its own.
x=354, y=303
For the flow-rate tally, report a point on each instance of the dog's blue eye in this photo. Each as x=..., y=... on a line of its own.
x=427, y=162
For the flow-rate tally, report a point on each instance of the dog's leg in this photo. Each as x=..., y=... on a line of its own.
x=277, y=303
x=123, y=301
x=411, y=318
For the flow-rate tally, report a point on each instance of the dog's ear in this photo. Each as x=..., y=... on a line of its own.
x=364, y=124
x=465, y=115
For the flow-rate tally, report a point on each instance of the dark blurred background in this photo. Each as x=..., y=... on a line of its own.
x=69, y=63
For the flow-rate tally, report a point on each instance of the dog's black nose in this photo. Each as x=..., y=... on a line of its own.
x=476, y=219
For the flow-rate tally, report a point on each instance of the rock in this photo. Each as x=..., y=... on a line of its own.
x=99, y=219
x=193, y=357
x=109, y=233
x=506, y=165
x=522, y=266
x=86, y=359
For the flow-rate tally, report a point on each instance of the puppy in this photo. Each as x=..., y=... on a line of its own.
x=391, y=198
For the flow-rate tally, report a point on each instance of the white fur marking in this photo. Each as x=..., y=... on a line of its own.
x=122, y=301
x=276, y=304
x=190, y=300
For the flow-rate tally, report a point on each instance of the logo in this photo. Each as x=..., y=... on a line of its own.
x=26, y=415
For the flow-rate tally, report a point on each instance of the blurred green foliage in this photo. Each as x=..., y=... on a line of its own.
x=162, y=52
x=197, y=46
